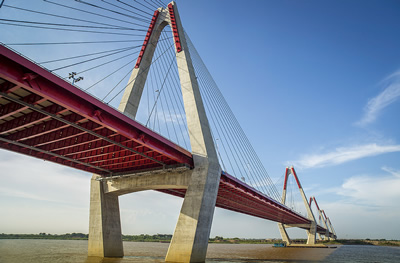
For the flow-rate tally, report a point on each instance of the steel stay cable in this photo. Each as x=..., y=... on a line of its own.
x=174, y=115
x=71, y=30
x=127, y=9
x=96, y=14
x=86, y=55
x=178, y=94
x=151, y=5
x=165, y=64
x=160, y=90
x=65, y=25
x=113, y=11
x=273, y=188
x=72, y=43
x=159, y=3
x=156, y=66
x=107, y=62
x=269, y=184
x=146, y=69
x=110, y=74
x=218, y=133
x=144, y=5
x=65, y=17
x=116, y=85
x=225, y=135
x=92, y=59
x=134, y=7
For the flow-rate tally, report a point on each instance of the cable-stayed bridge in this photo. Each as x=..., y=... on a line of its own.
x=207, y=159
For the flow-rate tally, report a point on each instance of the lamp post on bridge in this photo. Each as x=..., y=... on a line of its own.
x=72, y=76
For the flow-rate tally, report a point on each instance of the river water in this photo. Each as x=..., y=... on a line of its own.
x=72, y=251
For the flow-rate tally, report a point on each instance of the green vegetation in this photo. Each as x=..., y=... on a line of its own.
x=148, y=238
x=68, y=236
x=371, y=242
x=236, y=240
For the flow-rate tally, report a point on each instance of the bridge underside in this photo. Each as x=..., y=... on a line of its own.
x=43, y=116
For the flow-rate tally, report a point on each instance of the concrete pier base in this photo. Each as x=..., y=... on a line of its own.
x=190, y=240
x=284, y=234
x=105, y=239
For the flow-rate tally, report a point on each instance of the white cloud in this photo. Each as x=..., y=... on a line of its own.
x=368, y=207
x=391, y=171
x=343, y=154
x=389, y=95
x=380, y=191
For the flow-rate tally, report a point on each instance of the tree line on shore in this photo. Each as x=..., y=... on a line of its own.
x=218, y=239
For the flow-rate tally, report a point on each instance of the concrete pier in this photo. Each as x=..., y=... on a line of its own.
x=105, y=238
x=190, y=240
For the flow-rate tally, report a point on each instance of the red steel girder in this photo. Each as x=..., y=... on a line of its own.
x=45, y=128
x=89, y=149
x=73, y=141
x=8, y=87
x=59, y=135
x=12, y=108
x=98, y=150
x=30, y=119
x=95, y=157
x=119, y=159
x=227, y=179
x=46, y=156
x=16, y=69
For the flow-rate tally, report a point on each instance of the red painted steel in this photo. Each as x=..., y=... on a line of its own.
x=315, y=201
x=286, y=178
x=147, y=38
x=174, y=28
x=47, y=114
x=297, y=179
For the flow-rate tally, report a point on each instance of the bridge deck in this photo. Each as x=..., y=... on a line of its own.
x=43, y=116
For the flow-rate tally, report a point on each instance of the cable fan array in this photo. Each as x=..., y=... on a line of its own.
x=95, y=44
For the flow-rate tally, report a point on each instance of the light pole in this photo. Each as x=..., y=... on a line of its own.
x=72, y=76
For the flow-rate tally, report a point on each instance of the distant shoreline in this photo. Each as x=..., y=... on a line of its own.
x=166, y=238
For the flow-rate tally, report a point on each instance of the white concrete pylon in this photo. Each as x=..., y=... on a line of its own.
x=190, y=239
x=311, y=233
x=281, y=227
x=321, y=217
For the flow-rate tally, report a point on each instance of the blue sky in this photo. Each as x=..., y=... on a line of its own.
x=314, y=84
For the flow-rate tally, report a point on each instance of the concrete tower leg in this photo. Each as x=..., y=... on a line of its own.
x=311, y=234
x=105, y=239
x=284, y=234
x=190, y=240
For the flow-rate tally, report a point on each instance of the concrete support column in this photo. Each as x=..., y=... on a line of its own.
x=190, y=240
x=284, y=234
x=105, y=238
x=311, y=234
